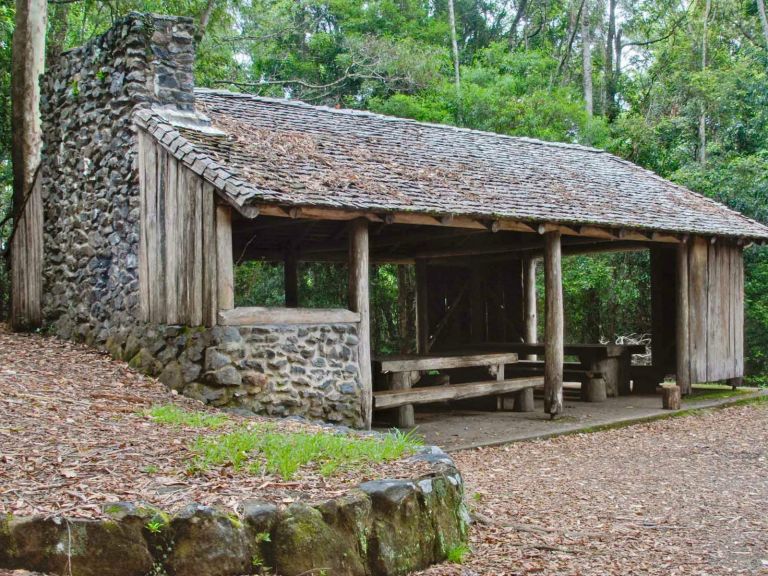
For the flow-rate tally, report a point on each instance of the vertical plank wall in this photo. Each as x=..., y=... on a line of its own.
x=177, y=248
x=716, y=310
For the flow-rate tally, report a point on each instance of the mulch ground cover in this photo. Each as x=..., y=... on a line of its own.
x=684, y=496
x=74, y=436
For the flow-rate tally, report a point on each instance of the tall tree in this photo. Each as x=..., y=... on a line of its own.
x=763, y=19
x=28, y=58
x=609, y=83
x=586, y=60
x=702, y=156
x=454, y=50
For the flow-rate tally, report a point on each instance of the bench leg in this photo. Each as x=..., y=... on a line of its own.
x=505, y=402
x=404, y=414
x=524, y=401
x=593, y=390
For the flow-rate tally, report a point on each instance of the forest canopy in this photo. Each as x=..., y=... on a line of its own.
x=677, y=86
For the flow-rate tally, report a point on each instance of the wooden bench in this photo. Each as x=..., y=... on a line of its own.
x=520, y=388
x=593, y=387
x=404, y=371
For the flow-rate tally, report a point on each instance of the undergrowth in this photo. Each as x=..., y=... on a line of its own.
x=175, y=416
x=262, y=449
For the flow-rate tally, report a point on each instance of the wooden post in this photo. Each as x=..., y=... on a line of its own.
x=291, y=278
x=529, y=303
x=422, y=311
x=359, y=263
x=403, y=381
x=682, y=328
x=226, y=264
x=553, y=344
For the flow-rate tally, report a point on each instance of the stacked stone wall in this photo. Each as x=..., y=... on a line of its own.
x=89, y=174
x=309, y=371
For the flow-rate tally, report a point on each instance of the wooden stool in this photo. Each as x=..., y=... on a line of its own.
x=594, y=390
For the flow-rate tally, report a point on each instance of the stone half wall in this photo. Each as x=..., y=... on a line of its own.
x=89, y=173
x=381, y=528
x=309, y=371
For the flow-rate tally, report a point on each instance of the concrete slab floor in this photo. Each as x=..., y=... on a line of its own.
x=463, y=429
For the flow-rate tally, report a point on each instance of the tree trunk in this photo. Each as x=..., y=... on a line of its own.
x=455, y=52
x=573, y=25
x=609, y=90
x=763, y=19
x=28, y=59
x=703, y=115
x=518, y=17
x=586, y=60
x=205, y=19
x=58, y=33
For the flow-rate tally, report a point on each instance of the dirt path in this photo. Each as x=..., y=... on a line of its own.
x=674, y=497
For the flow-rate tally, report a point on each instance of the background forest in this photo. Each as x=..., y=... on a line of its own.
x=677, y=86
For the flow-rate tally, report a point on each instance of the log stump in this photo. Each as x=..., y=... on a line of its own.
x=524, y=401
x=594, y=390
x=670, y=397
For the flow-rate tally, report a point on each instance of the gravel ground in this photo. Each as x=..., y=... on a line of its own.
x=674, y=497
x=73, y=437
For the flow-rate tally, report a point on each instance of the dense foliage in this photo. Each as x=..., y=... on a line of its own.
x=678, y=86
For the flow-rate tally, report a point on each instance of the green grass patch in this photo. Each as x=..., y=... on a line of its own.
x=175, y=416
x=457, y=554
x=262, y=449
x=714, y=392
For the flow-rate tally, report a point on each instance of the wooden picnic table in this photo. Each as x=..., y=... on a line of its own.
x=403, y=371
x=611, y=360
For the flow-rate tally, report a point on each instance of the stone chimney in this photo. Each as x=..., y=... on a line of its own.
x=89, y=176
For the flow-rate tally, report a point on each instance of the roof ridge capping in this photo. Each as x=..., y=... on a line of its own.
x=390, y=118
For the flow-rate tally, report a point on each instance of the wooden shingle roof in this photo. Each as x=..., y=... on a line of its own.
x=288, y=153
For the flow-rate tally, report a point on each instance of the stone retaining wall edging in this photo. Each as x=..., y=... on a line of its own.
x=380, y=528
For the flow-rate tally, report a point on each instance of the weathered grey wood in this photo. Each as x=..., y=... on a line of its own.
x=554, y=325
x=156, y=246
x=422, y=308
x=225, y=262
x=523, y=400
x=405, y=363
x=175, y=217
x=425, y=395
x=715, y=327
x=682, y=325
x=737, y=272
x=670, y=397
x=500, y=400
x=582, y=350
x=194, y=190
x=210, y=265
x=291, y=278
x=530, y=303
x=697, y=307
x=359, y=301
x=146, y=187
x=244, y=316
x=405, y=414
x=593, y=390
